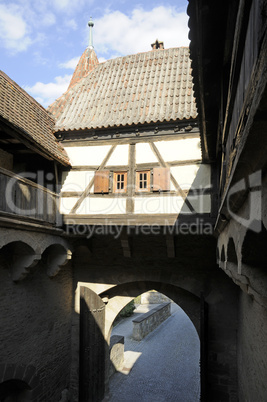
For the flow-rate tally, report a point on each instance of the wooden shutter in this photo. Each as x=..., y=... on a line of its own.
x=101, y=184
x=161, y=179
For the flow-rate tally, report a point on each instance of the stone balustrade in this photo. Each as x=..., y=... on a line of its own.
x=149, y=321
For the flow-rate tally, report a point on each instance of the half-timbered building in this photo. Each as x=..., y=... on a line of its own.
x=131, y=181
x=129, y=128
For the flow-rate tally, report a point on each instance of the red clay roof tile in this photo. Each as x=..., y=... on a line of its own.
x=155, y=86
x=25, y=113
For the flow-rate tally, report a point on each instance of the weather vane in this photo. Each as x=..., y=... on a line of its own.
x=91, y=24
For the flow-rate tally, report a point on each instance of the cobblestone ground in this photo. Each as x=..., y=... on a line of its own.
x=163, y=367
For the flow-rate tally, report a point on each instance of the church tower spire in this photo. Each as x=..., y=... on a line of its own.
x=88, y=60
x=91, y=25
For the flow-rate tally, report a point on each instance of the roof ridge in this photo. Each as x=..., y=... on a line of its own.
x=146, y=87
x=70, y=87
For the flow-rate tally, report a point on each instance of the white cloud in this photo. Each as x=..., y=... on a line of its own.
x=20, y=25
x=13, y=29
x=68, y=6
x=47, y=93
x=102, y=59
x=71, y=24
x=48, y=19
x=124, y=34
x=70, y=64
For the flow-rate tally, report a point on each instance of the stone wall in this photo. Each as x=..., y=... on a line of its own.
x=149, y=321
x=252, y=350
x=153, y=297
x=35, y=318
x=116, y=353
x=184, y=278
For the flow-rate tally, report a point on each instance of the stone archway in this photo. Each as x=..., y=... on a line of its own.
x=94, y=307
x=119, y=296
x=192, y=279
x=14, y=391
x=19, y=383
x=161, y=364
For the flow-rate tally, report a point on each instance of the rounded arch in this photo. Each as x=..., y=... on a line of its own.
x=53, y=240
x=119, y=296
x=231, y=252
x=19, y=382
x=17, y=247
x=217, y=255
x=17, y=237
x=19, y=257
x=254, y=250
x=14, y=390
x=54, y=257
x=223, y=254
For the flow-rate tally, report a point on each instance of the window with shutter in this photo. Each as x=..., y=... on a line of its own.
x=143, y=181
x=120, y=182
x=101, y=182
x=161, y=179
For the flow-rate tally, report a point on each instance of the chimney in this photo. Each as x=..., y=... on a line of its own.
x=157, y=45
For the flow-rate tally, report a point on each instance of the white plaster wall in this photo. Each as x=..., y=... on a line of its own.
x=67, y=203
x=203, y=177
x=119, y=156
x=159, y=205
x=144, y=153
x=200, y=203
x=171, y=205
x=191, y=176
x=184, y=175
x=184, y=149
x=90, y=155
x=76, y=180
x=102, y=205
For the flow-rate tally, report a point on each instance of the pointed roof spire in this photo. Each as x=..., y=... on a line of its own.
x=91, y=24
x=88, y=60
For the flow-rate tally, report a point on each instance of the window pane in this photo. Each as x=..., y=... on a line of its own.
x=119, y=177
x=122, y=185
x=145, y=184
x=122, y=177
x=145, y=176
x=141, y=176
x=141, y=185
x=118, y=186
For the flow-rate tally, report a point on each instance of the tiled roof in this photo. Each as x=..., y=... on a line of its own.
x=29, y=117
x=155, y=86
x=87, y=63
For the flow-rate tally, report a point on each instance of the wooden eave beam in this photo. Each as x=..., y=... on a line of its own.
x=20, y=135
x=207, y=33
x=236, y=60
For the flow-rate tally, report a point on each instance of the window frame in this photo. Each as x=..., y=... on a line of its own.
x=137, y=181
x=115, y=181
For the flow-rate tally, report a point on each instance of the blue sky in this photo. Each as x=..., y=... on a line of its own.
x=41, y=40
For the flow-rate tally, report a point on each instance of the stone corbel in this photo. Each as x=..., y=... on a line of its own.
x=56, y=260
x=21, y=265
